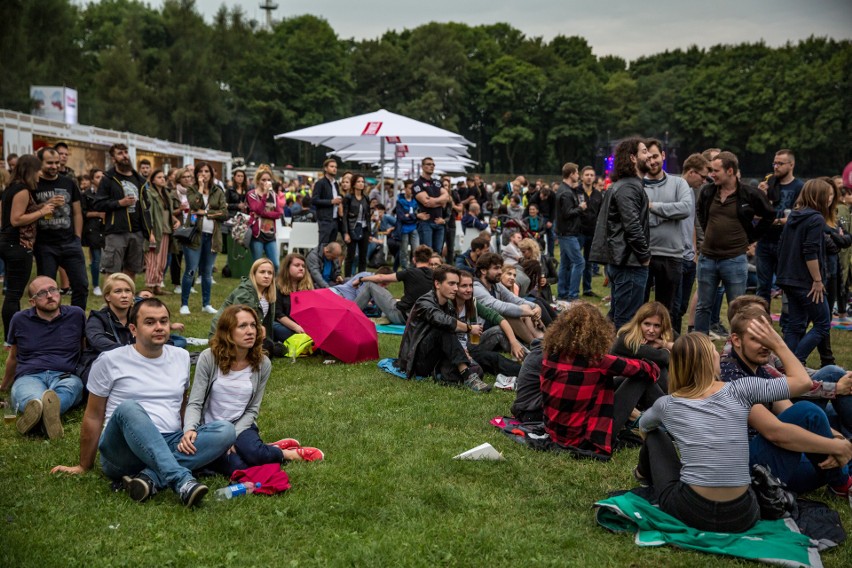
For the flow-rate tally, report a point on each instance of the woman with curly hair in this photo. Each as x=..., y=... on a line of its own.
x=648, y=336
x=292, y=277
x=229, y=382
x=582, y=408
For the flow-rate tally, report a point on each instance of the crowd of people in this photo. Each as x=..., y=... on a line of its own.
x=591, y=383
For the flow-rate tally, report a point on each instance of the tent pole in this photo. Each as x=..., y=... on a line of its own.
x=382, y=170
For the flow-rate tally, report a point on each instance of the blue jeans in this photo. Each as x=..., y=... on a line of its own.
x=68, y=387
x=199, y=259
x=800, y=471
x=131, y=444
x=551, y=241
x=586, y=244
x=627, y=288
x=800, y=311
x=251, y=451
x=683, y=293
x=733, y=272
x=571, y=264
x=766, y=255
x=407, y=243
x=259, y=248
x=95, y=266
x=432, y=234
x=281, y=332
x=842, y=405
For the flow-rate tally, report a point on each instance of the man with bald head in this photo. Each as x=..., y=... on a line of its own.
x=46, y=342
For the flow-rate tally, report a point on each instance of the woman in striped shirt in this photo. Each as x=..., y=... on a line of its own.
x=709, y=486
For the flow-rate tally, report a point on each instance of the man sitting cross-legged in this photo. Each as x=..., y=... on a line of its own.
x=416, y=281
x=46, y=341
x=794, y=440
x=429, y=344
x=139, y=391
x=524, y=316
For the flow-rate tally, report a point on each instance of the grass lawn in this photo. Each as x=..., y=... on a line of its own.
x=388, y=493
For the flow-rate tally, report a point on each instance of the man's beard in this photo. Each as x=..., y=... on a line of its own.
x=642, y=166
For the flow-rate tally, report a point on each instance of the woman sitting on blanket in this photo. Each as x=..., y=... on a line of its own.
x=648, y=336
x=293, y=276
x=708, y=486
x=230, y=378
x=582, y=408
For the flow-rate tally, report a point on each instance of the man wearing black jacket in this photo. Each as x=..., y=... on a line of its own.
x=569, y=207
x=325, y=198
x=588, y=222
x=623, y=236
x=125, y=227
x=726, y=212
x=430, y=335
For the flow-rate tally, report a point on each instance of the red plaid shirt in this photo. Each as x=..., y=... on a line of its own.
x=578, y=398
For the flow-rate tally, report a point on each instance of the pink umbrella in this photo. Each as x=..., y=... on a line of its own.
x=335, y=324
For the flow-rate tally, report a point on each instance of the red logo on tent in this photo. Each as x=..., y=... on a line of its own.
x=372, y=129
x=392, y=139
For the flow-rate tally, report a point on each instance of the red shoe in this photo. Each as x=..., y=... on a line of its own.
x=286, y=444
x=310, y=454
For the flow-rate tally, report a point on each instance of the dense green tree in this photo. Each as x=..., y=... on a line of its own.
x=528, y=104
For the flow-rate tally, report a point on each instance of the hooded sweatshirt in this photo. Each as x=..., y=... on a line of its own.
x=801, y=241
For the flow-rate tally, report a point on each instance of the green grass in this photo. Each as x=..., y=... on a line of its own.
x=388, y=494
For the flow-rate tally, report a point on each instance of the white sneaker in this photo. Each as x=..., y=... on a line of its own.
x=184, y=310
x=198, y=280
x=209, y=309
x=212, y=281
x=177, y=290
x=193, y=291
x=97, y=291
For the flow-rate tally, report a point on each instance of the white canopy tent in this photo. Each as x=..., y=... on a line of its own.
x=375, y=131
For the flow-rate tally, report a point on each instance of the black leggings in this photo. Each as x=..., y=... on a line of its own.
x=632, y=392
x=660, y=465
x=19, y=266
x=362, y=253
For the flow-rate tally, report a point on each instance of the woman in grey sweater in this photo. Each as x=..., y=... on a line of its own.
x=229, y=382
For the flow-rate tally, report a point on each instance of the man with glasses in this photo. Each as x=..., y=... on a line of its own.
x=782, y=188
x=431, y=224
x=46, y=341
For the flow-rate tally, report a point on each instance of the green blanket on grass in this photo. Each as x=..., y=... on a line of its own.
x=774, y=542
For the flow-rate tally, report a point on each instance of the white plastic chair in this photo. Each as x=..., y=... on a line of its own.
x=282, y=237
x=468, y=237
x=303, y=236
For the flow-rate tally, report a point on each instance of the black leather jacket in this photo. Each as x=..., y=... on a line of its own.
x=426, y=314
x=622, y=235
x=567, y=212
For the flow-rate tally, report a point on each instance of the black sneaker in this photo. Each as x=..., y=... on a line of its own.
x=192, y=492
x=718, y=331
x=140, y=488
x=474, y=383
x=590, y=294
x=65, y=291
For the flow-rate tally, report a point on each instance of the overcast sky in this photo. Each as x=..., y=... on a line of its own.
x=628, y=29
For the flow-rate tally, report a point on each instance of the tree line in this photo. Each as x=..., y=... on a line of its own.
x=528, y=104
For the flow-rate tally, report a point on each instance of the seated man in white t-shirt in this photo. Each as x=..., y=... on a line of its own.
x=136, y=397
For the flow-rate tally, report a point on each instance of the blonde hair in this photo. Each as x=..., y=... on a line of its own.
x=632, y=330
x=285, y=284
x=691, y=368
x=530, y=245
x=114, y=279
x=263, y=169
x=269, y=293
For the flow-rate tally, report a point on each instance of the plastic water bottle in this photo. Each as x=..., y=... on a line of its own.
x=235, y=490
